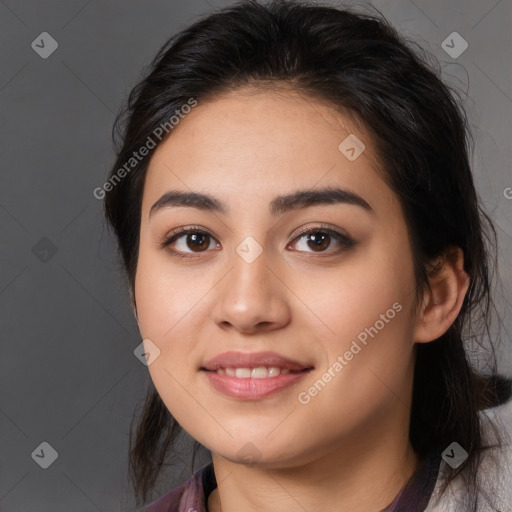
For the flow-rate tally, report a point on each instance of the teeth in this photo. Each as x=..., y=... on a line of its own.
x=242, y=373
x=272, y=372
x=260, y=372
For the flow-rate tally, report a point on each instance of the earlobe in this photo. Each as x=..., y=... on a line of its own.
x=443, y=302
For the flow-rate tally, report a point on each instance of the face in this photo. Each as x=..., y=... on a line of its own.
x=283, y=319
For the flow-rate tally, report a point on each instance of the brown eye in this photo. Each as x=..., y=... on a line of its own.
x=197, y=241
x=320, y=239
x=186, y=241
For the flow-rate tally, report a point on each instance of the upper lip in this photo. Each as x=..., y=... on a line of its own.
x=253, y=360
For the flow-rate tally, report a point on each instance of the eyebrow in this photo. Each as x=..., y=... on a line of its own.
x=279, y=205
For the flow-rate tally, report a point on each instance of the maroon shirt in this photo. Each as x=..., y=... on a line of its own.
x=192, y=496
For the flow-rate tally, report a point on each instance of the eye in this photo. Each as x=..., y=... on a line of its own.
x=192, y=238
x=321, y=238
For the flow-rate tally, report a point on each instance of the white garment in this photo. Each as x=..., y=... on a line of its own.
x=495, y=472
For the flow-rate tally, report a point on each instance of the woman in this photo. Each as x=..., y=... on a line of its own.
x=304, y=248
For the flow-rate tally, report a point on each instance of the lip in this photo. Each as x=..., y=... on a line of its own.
x=253, y=360
x=251, y=388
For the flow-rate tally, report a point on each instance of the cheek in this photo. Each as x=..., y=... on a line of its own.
x=164, y=295
x=352, y=297
x=366, y=374
x=171, y=308
x=366, y=306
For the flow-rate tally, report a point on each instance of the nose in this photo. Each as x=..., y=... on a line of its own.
x=253, y=297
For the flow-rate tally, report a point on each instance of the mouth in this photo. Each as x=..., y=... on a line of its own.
x=260, y=372
x=253, y=376
x=265, y=364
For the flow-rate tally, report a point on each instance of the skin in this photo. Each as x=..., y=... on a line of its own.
x=245, y=148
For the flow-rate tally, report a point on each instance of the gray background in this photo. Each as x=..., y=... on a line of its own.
x=68, y=373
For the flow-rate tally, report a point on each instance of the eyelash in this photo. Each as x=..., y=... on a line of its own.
x=343, y=239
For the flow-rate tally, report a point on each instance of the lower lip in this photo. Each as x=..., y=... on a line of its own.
x=252, y=389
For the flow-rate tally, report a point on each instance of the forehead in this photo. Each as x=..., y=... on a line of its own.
x=254, y=144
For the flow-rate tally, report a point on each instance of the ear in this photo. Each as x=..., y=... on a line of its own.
x=442, y=303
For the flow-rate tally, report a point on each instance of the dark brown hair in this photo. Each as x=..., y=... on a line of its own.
x=359, y=64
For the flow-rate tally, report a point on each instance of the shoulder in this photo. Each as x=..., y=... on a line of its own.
x=189, y=496
x=494, y=472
